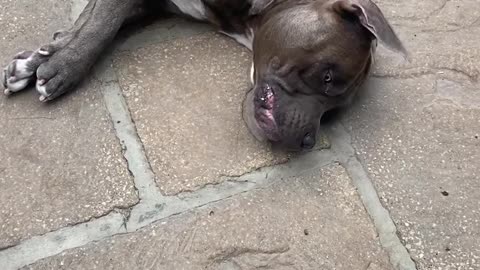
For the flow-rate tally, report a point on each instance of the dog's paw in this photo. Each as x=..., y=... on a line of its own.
x=54, y=69
x=19, y=73
x=62, y=72
x=52, y=80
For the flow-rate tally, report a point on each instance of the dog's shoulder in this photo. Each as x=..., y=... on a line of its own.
x=229, y=15
x=233, y=17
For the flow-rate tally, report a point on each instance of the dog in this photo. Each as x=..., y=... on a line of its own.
x=309, y=56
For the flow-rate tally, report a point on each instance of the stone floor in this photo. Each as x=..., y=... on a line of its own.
x=124, y=173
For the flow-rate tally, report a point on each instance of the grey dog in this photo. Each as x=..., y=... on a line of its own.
x=309, y=56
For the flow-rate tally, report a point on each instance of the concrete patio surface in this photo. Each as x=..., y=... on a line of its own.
x=127, y=173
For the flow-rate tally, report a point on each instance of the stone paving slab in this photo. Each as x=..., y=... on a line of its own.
x=445, y=42
x=442, y=15
x=185, y=96
x=421, y=149
x=314, y=221
x=416, y=129
x=27, y=24
x=60, y=163
x=67, y=175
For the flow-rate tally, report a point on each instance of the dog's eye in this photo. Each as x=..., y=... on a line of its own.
x=328, y=77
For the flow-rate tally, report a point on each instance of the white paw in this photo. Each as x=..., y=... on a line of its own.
x=18, y=74
x=15, y=86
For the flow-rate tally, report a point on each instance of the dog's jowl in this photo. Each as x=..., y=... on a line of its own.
x=309, y=56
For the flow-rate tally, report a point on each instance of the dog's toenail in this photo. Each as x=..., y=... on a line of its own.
x=42, y=98
x=7, y=91
x=41, y=82
x=44, y=52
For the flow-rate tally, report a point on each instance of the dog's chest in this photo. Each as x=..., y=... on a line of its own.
x=231, y=16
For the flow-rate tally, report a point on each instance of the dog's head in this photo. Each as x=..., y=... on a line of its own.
x=310, y=56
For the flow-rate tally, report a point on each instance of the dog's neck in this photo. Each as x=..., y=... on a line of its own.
x=240, y=19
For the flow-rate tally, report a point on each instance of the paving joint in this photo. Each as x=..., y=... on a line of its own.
x=133, y=150
x=383, y=222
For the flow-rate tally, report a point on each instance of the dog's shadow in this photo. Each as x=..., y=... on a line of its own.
x=333, y=116
x=339, y=114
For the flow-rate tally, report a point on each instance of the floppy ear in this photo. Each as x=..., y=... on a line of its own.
x=258, y=6
x=371, y=17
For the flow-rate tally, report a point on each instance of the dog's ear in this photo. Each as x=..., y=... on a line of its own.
x=371, y=17
x=258, y=6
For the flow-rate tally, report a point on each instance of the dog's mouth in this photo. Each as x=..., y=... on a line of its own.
x=259, y=107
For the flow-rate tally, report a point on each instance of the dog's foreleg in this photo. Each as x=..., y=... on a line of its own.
x=62, y=64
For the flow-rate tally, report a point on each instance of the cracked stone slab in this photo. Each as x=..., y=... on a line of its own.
x=432, y=53
x=185, y=96
x=442, y=15
x=446, y=43
x=313, y=221
x=60, y=163
x=414, y=10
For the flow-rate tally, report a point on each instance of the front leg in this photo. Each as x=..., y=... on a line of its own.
x=62, y=64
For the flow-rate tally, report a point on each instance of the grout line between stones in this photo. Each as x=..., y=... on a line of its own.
x=386, y=229
x=49, y=244
x=126, y=132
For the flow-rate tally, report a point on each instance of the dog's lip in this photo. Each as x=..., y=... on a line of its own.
x=258, y=120
x=264, y=111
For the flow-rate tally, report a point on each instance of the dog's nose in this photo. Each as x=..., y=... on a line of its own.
x=308, y=141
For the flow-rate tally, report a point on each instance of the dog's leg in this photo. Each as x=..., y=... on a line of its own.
x=61, y=65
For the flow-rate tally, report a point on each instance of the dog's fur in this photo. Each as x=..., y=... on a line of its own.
x=309, y=55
